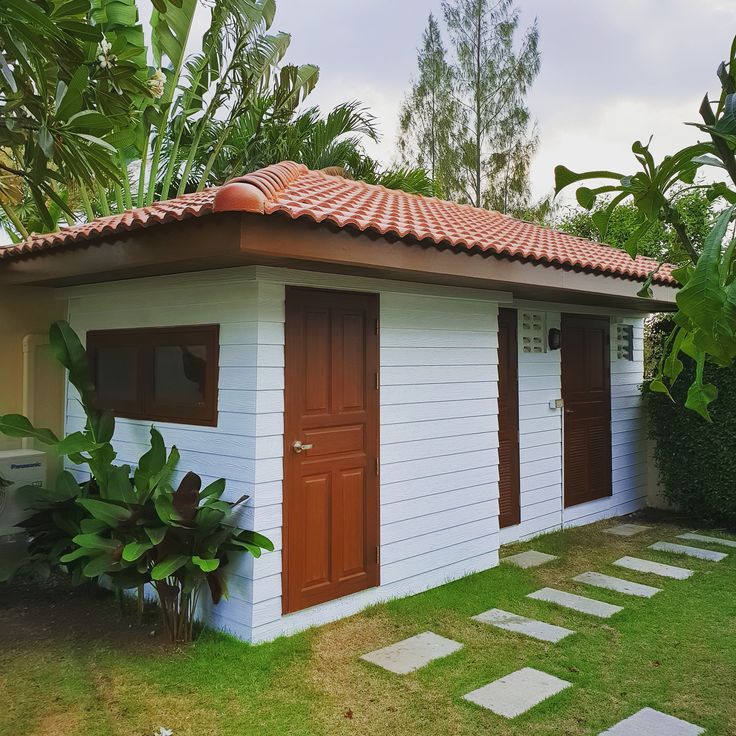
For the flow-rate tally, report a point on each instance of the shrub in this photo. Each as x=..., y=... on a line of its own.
x=130, y=526
x=696, y=459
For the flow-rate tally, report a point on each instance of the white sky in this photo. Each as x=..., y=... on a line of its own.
x=612, y=70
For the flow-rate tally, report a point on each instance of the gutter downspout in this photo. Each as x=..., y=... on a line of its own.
x=30, y=343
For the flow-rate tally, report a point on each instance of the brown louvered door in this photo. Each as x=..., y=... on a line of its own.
x=586, y=390
x=331, y=480
x=508, y=419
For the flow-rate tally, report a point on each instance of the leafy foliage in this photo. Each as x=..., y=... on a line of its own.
x=465, y=118
x=660, y=242
x=133, y=527
x=429, y=115
x=706, y=318
x=88, y=128
x=493, y=71
x=71, y=73
x=695, y=461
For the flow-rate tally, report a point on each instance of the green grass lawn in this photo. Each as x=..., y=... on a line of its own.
x=71, y=665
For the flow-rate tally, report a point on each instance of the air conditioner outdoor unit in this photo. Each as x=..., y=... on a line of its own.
x=17, y=468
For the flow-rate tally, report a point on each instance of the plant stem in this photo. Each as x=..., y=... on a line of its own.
x=13, y=217
x=84, y=194
x=142, y=173
x=126, y=184
x=685, y=240
x=102, y=197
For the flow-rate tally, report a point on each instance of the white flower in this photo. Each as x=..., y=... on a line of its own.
x=104, y=56
x=164, y=732
x=156, y=84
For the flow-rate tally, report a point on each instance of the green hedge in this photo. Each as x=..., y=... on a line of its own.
x=696, y=460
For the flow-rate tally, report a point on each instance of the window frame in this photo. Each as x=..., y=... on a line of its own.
x=145, y=340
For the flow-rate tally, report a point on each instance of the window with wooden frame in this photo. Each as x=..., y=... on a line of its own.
x=164, y=374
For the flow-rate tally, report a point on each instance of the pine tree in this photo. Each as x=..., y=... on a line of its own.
x=428, y=115
x=493, y=75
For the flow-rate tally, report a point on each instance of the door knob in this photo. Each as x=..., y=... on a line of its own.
x=299, y=447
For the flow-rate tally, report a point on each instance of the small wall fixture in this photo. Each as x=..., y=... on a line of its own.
x=624, y=342
x=554, y=338
x=531, y=328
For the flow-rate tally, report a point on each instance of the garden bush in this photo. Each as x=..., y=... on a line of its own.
x=129, y=525
x=696, y=459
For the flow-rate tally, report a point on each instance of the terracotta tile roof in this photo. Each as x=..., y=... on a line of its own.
x=295, y=191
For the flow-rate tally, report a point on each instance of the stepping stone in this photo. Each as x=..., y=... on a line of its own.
x=655, y=568
x=576, y=602
x=626, y=530
x=681, y=549
x=650, y=721
x=411, y=654
x=710, y=540
x=521, y=625
x=518, y=692
x=529, y=559
x=618, y=584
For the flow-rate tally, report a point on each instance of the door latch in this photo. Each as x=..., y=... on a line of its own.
x=298, y=447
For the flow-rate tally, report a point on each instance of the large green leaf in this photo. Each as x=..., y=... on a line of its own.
x=150, y=462
x=156, y=534
x=700, y=395
x=77, y=554
x=564, y=177
x=16, y=425
x=68, y=350
x=100, y=565
x=702, y=299
x=133, y=550
x=95, y=541
x=214, y=489
x=110, y=513
x=75, y=443
x=168, y=566
x=206, y=565
x=119, y=487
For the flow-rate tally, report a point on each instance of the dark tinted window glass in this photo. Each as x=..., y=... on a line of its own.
x=159, y=373
x=116, y=371
x=180, y=375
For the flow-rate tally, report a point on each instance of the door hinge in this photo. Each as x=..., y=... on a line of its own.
x=378, y=385
x=378, y=466
x=375, y=326
x=378, y=555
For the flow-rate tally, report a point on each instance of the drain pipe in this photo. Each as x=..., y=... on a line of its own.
x=30, y=343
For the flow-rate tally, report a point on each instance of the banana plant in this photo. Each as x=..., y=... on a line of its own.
x=705, y=323
x=129, y=525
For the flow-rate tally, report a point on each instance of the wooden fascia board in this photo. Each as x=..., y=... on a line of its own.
x=313, y=246
x=236, y=239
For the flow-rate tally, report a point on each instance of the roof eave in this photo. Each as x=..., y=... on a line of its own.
x=238, y=238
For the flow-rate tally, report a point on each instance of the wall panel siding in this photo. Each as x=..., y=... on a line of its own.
x=439, y=430
x=540, y=430
x=245, y=447
x=438, y=426
x=438, y=446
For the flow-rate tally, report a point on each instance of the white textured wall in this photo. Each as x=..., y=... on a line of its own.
x=540, y=434
x=438, y=444
x=439, y=476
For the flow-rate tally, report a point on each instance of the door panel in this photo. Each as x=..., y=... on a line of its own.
x=586, y=390
x=331, y=406
x=508, y=419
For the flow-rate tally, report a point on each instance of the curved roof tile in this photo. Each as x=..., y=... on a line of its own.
x=295, y=191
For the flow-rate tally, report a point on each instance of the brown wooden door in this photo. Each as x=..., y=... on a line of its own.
x=331, y=407
x=586, y=390
x=508, y=419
